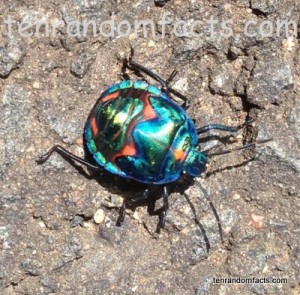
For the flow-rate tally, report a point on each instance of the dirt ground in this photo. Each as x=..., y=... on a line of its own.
x=49, y=81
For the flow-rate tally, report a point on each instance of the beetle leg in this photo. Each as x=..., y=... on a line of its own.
x=67, y=155
x=212, y=207
x=140, y=198
x=171, y=77
x=186, y=101
x=245, y=146
x=121, y=214
x=138, y=67
x=223, y=127
x=162, y=214
x=164, y=83
x=128, y=203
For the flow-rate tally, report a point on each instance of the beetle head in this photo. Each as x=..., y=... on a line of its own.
x=195, y=163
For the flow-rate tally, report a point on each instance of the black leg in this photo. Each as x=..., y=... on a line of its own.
x=67, y=155
x=186, y=101
x=212, y=207
x=148, y=72
x=142, y=198
x=223, y=127
x=128, y=203
x=121, y=214
x=246, y=146
x=164, y=84
x=163, y=210
x=173, y=74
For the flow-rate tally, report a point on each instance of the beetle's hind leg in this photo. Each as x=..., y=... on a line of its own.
x=164, y=83
x=130, y=203
x=68, y=156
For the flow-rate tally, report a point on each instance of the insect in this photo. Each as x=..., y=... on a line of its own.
x=135, y=130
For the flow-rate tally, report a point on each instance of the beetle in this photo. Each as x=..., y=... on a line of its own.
x=136, y=130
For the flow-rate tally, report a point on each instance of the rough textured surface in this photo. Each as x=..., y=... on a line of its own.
x=11, y=55
x=49, y=241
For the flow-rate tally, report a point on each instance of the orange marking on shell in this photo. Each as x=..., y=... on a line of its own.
x=148, y=111
x=179, y=154
x=110, y=96
x=128, y=150
x=94, y=126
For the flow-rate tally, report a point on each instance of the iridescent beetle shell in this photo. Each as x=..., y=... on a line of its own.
x=136, y=131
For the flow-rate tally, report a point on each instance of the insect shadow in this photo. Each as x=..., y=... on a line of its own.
x=130, y=191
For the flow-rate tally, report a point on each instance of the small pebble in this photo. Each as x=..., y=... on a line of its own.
x=257, y=220
x=36, y=85
x=99, y=216
x=79, y=141
x=151, y=43
x=236, y=196
x=134, y=288
x=42, y=224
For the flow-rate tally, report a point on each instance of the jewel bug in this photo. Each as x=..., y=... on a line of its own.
x=136, y=130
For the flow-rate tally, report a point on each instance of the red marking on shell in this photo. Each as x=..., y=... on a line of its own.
x=110, y=96
x=94, y=126
x=148, y=112
x=179, y=154
x=129, y=149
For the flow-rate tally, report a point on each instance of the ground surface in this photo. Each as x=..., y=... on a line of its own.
x=49, y=241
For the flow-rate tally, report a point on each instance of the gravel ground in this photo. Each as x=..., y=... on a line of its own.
x=49, y=241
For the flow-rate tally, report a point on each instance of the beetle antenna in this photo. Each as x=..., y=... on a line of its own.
x=212, y=207
x=246, y=146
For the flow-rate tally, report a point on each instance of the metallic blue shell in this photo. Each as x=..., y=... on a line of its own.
x=136, y=131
